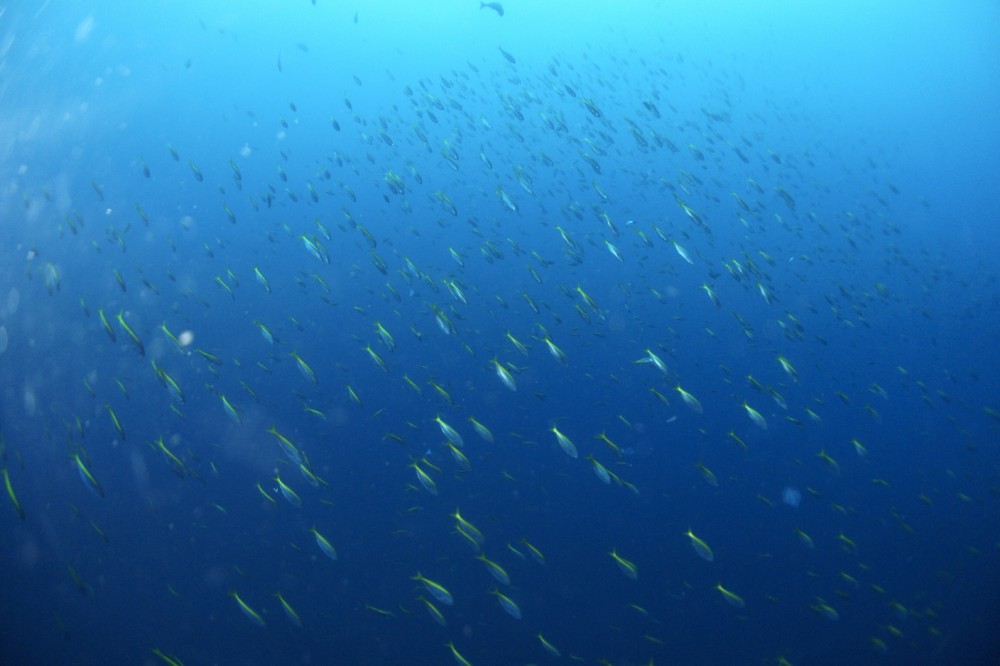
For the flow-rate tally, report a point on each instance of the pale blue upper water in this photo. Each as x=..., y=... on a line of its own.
x=669, y=223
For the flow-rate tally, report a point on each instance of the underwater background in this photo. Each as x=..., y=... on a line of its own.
x=526, y=333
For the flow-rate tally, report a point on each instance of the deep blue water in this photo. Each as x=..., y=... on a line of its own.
x=828, y=170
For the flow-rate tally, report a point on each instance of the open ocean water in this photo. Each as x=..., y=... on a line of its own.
x=540, y=332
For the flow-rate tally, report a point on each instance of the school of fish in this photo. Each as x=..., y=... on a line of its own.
x=518, y=290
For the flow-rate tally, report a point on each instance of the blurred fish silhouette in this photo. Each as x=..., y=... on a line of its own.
x=495, y=6
x=508, y=57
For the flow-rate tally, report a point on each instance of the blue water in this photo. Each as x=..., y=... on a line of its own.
x=828, y=169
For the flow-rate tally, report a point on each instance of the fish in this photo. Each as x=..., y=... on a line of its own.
x=626, y=566
x=290, y=495
x=425, y=480
x=231, y=411
x=549, y=647
x=16, y=503
x=690, y=400
x=433, y=611
x=436, y=590
x=508, y=604
x=450, y=433
x=323, y=544
x=107, y=327
x=88, y=479
x=700, y=547
x=250, y=613
x=505, y=377
x=168, y=659
x=756, y=417
x=495, y=6
x=495, y=569
x=139, y=347
x=731, y=598
x=288, y=610
x=470, y=530
x=459, y=659
x=481, y=430
x=564, y=442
